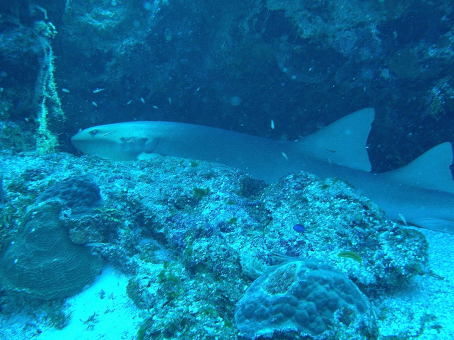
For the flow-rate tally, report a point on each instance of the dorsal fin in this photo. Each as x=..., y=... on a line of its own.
x=430, y=170
x=343, y=142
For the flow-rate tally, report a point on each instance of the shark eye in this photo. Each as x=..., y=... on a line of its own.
x=93, y=132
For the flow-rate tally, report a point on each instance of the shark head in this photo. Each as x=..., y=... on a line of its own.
x=117, y=142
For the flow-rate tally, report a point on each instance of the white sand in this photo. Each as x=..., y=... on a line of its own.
x=115, y=316
x=426, y=309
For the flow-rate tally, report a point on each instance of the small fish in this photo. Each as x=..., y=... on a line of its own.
x=279, y=258
x=272, y=124
x=129, y=102
x=351, y=255
x=95, y=244
x=142, y=100
x=65, y=90
x=98, y=90
x=299, y=228
x=94, y=104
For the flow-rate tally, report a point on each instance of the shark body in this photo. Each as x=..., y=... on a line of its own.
x=422, y=192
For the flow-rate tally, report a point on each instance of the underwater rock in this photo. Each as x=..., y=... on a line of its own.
x=336, y=218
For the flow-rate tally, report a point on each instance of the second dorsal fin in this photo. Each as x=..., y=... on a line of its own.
x=429, y=171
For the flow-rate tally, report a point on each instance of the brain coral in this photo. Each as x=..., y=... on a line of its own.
x=300, y=297
x=42, y=262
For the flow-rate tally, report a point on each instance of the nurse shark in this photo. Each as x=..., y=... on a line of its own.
x=420, y=193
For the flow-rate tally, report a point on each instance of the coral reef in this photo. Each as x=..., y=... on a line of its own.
x=191, y=259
